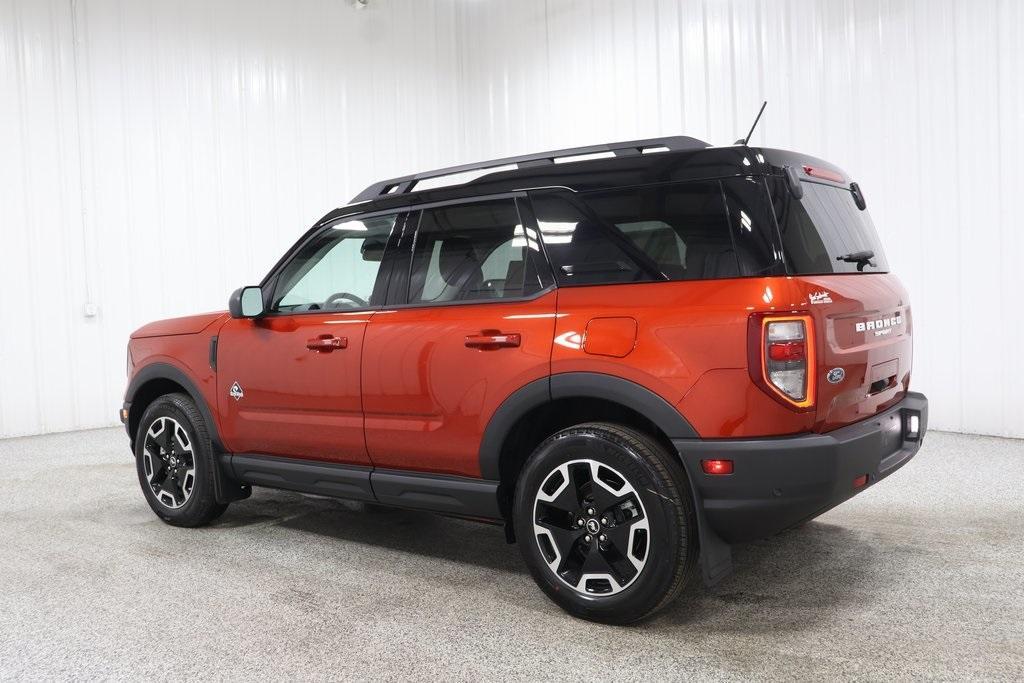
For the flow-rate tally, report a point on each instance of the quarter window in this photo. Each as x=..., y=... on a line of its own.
x=684, y=231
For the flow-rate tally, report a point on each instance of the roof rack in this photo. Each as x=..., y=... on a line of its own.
x=628, y=148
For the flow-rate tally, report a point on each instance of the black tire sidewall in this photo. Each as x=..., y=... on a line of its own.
x=661, y=499
x=198, y=508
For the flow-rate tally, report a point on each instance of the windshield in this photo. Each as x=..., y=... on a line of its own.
x=825, y=232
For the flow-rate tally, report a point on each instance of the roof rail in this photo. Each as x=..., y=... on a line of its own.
x=628, y=148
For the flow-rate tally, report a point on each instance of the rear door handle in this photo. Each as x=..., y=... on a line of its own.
x=325, y=343
x=493, y=341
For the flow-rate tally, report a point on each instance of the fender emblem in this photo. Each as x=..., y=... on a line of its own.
x=236, y=391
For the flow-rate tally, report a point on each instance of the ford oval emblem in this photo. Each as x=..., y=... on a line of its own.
x=836, y=375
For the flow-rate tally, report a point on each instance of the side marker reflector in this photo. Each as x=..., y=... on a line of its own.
x=716, y=466
x=860, y=481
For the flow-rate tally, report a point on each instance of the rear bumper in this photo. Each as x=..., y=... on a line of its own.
x=782, y=481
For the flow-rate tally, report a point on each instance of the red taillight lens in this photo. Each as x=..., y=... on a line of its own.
x=787, y=358
x=716, y=466
x=787, y=351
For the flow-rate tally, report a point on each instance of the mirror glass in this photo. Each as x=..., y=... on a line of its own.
x=252, y=302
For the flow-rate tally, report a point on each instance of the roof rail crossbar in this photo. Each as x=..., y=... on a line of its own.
x=629, y=148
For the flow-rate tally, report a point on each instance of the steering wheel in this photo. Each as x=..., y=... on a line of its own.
x=345, y=295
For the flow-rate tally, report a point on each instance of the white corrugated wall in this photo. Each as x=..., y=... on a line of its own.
x=154, y=155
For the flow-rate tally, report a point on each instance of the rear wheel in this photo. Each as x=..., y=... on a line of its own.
x=605, y=523
x=175, y=462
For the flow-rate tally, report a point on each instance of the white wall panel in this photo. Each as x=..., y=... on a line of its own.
x=156, y=154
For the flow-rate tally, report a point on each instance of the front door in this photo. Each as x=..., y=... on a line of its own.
x=474, y=323
x=289, y=382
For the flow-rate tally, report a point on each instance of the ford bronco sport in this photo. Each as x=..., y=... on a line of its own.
x=632, y=355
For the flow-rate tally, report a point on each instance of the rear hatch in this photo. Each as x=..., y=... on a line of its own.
x=861, y=313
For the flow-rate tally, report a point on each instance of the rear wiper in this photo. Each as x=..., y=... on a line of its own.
x=861, y=258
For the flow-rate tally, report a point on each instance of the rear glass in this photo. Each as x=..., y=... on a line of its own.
x=683, y=231
x=825, y=232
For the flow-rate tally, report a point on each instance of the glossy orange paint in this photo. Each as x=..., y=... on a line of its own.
x=863, y=354
x=692, y=346
x=411, y=389
x=610, y=337
x=298, y=401
x=192, y=324
x=428, y=396
x=185, y=344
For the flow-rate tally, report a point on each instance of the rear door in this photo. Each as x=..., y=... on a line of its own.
x=472, y=322
x=289, y=382
x=861, y=311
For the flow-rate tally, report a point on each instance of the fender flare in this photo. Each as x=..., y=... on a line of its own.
x=167, y=371
x=575, y=385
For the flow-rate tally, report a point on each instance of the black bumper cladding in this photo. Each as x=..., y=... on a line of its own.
x=782, y=481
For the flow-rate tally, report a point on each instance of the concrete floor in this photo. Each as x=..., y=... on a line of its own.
x=921, y=576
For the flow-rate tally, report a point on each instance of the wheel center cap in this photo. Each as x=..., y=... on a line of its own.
x=593, y=526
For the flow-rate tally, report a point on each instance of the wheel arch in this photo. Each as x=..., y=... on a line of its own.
x=546, y=405
x=156, y=380
x=583, y=385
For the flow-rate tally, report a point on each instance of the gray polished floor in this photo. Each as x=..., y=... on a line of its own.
x=922, y=575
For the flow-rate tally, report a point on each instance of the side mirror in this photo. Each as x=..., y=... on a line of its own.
x=246, y=302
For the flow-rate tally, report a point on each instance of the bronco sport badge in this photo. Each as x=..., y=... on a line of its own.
x=236, y=391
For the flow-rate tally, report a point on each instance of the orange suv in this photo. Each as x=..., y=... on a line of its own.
x=632, y=355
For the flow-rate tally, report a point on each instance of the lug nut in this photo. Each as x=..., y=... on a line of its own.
x=579, y=521
x=604, y=520
x=602, y=538
x=590, y=511
x=588, y=538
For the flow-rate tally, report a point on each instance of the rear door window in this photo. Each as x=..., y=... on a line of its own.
x=683, y=231
x=824, y=232
x=472, y=252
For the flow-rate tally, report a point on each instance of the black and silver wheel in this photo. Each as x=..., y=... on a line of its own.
x=168, y=462
x=605, y=523
x=591, y=527
x=175, y=461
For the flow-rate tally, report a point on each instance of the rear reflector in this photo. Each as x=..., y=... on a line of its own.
x=716, y=466
x=860, y=481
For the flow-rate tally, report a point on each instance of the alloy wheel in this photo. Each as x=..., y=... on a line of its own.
x=591, y=527
x=169, y=463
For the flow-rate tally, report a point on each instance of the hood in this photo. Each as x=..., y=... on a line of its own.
x=192, y=324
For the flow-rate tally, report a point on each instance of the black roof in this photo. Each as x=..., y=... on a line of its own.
x=677, y=159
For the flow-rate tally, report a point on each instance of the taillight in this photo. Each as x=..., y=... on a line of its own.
x=783, y=349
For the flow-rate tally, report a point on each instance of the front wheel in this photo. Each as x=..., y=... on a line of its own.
x=175, y=461
x=605, y=523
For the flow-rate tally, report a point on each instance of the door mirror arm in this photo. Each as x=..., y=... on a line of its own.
x=246, y=302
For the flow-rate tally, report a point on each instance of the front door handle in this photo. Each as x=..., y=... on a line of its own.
x=494, y=340
x=325, y=343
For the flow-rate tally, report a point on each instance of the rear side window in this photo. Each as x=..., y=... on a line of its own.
x=825, y=232
x=684, y=231
x=472, y=252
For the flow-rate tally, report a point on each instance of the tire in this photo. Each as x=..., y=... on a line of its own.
x=175, y=461
x=637, y=547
